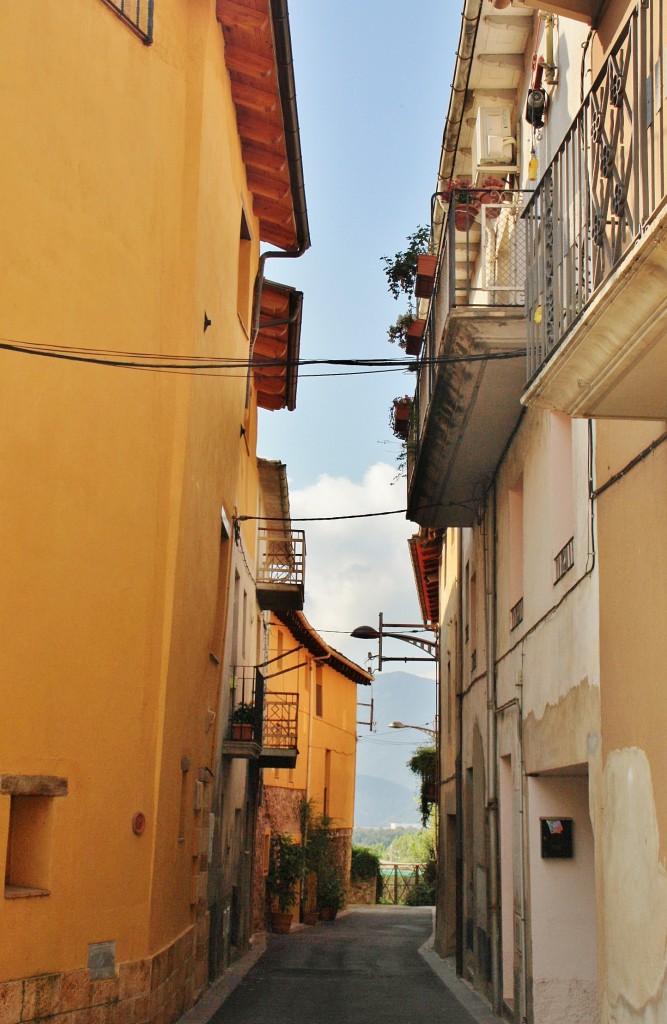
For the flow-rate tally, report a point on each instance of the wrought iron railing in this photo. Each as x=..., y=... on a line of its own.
x=137, y=15
x=602, y=186
x=271, y=719
x=246, y=704
x=482, y=264
x=282, y=556
x=281, y=713
x=516, y=614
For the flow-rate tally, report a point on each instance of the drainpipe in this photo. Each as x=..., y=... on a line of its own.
x=491, y=745
x=285, y=67
x=459, y=763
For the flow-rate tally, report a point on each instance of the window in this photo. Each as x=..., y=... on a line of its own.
x=562, y=499
x=27, y=872
x=318, y=691
x=516, y=553
x=137, y=15
x=30, y=832
x=473, y=621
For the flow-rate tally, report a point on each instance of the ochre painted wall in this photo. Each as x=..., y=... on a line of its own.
x=126, y=184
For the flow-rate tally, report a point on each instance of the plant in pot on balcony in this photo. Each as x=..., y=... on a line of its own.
x=466, y=202
x=493, y=189
x=286, y=865
x=243, y=721
x=400, y=412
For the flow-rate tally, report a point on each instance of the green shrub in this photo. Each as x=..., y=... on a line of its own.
x=365, y=864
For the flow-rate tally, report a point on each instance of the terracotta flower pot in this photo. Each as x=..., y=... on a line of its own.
x=281, y=921
x=426, y=267
x=464, y=216
x=414, y=337
x=242, y=731
x=328, y=914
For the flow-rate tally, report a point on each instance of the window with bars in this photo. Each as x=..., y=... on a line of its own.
x=137, y=15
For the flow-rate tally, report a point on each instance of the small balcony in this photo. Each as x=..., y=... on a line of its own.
x=281, y=568
x=597, y=243
x=472, y=366
x=262, y=725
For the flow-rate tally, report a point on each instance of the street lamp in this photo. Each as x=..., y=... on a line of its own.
x=429, y=647
x=422, y=728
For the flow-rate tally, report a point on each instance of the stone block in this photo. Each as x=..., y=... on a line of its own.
x=41, y=996
x=11, y=1001
x=75, y=991
x=104, y=991
x=134, y=979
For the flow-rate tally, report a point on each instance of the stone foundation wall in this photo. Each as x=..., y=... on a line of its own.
x=363, y=892
x=279, y=812
x=156, y=990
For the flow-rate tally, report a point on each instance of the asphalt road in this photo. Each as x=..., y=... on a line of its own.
x=362, y=969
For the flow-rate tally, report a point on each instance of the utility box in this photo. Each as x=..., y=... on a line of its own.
x=556, y=838
x=493, y=142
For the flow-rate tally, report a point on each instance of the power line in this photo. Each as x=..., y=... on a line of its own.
x=175, y=363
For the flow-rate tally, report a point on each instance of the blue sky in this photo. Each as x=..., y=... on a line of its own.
x=373, y=81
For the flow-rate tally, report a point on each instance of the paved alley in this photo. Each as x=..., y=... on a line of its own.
x=365, y=967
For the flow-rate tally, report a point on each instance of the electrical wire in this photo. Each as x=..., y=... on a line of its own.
x=172, y=363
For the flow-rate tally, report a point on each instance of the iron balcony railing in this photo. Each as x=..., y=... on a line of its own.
x=270, y=719
x=482, y=264
x=137, y=15
x=564, y=560
x=602, y=186
x=281, y=567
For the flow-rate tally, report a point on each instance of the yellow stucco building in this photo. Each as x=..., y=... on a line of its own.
x=302, y=666
x=147, y=156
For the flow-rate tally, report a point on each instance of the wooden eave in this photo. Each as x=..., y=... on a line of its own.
x=303, y=632
x=276, y=351
x=425, y=550
x=258, y=59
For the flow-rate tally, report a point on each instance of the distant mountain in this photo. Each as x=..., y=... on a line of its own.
x=379, y=803
x=386, y=789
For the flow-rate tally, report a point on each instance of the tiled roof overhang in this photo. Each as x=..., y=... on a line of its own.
x=258, y=54
x=276, y=350
x=425, y=550
x=301, y=630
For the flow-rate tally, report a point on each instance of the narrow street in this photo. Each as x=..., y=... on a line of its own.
x=364, y=967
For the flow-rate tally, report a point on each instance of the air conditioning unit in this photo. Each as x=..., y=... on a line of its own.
x=493, y=141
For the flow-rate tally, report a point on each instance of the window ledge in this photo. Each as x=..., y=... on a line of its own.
x=19, y=892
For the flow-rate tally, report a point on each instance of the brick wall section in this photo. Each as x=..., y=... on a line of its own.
x=151, y=991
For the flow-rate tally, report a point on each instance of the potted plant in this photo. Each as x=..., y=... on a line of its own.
x=415, y=336
x=399, y=416
x=401, y=269
x=284, y=877
x=330, y=890
x=243, y=721
x=492, y=189
x=466, y=202
x=425, y=277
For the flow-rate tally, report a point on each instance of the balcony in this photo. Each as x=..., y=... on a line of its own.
x=597, y=244
x=472, y=368
x=280, y=568
x=262, y=725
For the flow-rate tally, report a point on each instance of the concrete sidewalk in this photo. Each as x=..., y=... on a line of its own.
x=216, y=995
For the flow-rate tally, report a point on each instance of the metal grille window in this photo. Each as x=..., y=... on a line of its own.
x=564, y=560
x=516, y=614
x=137, y=15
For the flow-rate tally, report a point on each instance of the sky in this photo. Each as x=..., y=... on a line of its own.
x=372, y=80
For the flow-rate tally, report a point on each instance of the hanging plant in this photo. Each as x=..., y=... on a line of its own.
x=459, y=192
x=398, y=332
x=400, y=411
x=401, y=269
x=424, y=762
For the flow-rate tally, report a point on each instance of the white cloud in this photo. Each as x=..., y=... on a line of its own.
x=356, y=568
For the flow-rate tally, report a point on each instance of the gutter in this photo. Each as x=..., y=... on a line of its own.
x=491, y=748
x=470, y=17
